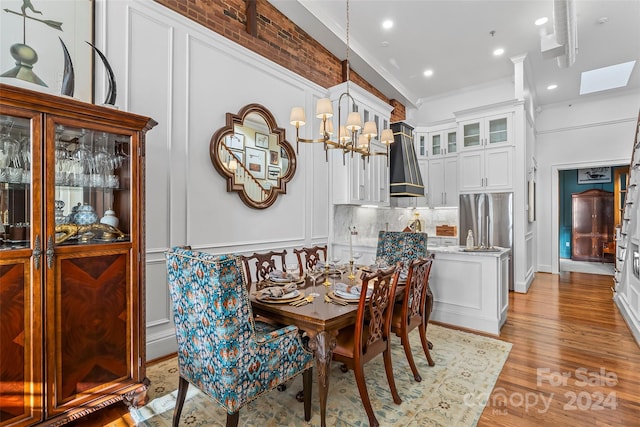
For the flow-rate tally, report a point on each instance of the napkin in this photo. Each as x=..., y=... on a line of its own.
x=275, y=292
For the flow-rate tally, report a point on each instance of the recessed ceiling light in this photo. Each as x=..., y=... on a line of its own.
x=387, y=24
x=606, y=78
x=552, y=87
x=541, y=21
x=428, y=73
x=498, y=51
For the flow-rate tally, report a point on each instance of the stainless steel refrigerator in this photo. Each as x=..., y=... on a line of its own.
x=490, y=217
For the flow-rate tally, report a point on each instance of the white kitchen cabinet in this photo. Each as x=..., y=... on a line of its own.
x=470, y=290
x=421, y=144
x=488, y=169
x=358, y=183
x=443, y=182
x=443, y=143
x=423, y=164
x=352, y=183
x=484, y=132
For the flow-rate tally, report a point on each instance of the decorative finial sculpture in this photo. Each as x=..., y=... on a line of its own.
x=24, y=54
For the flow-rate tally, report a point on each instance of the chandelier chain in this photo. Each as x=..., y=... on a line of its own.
x=348, y=63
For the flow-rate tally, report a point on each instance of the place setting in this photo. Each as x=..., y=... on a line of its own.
x=282, y=278
x=344, y=294
x=287, y=293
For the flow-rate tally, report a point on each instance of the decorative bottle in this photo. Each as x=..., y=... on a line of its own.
x=470, y=239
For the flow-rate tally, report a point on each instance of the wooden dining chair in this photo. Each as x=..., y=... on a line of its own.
x=219, y=349
x=258, y=266
x=414, y=309
x=309, y=257
x=370, y=335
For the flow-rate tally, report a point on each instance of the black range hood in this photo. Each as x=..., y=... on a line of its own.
x=405, y=179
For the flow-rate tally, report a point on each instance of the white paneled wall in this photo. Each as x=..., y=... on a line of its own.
x=187, y=78
x=585, y=134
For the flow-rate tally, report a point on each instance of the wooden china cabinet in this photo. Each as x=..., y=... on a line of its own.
x=593, y=224
x=72, y=318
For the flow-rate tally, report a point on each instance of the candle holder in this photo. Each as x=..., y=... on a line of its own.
x=327, y=282
x=351, y=271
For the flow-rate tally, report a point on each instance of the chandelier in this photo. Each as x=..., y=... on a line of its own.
x=352, y=136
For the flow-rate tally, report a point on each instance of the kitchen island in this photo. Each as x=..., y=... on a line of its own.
x=470, y=289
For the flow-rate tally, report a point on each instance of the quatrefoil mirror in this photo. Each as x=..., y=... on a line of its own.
x=252, y=153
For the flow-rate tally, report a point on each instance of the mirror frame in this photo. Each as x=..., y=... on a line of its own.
x=228, y=129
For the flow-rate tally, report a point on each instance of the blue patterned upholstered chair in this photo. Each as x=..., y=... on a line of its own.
x=394, y=246
x=219, y=350
x=404, y=247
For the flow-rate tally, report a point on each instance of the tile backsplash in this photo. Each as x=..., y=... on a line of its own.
x=369, y=221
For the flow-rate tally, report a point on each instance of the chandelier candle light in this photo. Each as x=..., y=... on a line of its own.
x=352, y=136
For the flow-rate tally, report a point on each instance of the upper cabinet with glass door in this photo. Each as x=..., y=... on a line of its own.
x=444, y=142
x=486, y=132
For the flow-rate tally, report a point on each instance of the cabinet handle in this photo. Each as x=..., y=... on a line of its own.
x=50, y=253
x=37, y=252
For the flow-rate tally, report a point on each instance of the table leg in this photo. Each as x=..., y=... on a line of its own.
x=322, y=343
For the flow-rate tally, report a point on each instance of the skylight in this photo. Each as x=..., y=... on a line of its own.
x=606, y=78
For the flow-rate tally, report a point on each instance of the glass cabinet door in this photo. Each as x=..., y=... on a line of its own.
x=471, y=134
x=92, y=198
x=498, y=130
x=452, y=145
x=15, y=182
x=20, y=261
x=436, y=145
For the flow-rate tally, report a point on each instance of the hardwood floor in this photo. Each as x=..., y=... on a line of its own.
x=568, y=325
x=574, y=361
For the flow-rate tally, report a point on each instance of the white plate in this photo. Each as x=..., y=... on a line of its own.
x=346, y=295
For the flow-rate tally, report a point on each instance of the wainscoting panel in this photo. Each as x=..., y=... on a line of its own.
x=188, y=81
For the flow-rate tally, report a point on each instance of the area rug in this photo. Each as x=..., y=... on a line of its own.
x=452, y=393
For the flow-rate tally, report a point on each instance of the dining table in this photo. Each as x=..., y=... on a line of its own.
x=320, y=319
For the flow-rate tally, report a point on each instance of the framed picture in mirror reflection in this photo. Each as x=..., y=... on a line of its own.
x=262, y=140
x=255, y=161
x=274, y=158
x=274, y=173
x=235, y=141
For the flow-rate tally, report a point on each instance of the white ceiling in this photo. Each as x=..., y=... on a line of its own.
x=453, y=38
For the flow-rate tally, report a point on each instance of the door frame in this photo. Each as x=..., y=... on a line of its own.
x=555, y=205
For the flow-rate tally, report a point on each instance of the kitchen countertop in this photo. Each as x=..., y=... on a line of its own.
x=460, y=250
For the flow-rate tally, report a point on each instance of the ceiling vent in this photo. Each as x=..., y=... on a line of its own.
x=562, y=44
x=405, y=177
